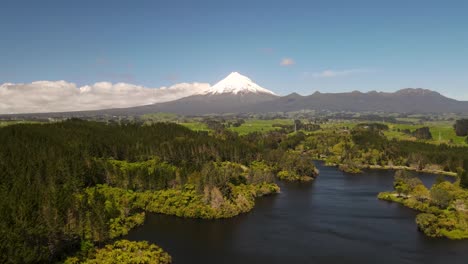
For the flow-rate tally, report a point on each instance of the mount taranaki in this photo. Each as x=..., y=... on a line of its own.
x=238, y=94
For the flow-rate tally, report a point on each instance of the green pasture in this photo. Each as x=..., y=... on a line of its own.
x=257, y=125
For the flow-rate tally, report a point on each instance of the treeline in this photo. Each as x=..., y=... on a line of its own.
x=298, y=125
x=69, y=186
x=461, y=127
x=366, y=145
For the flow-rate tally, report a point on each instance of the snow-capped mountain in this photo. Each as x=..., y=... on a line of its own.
x=230, y=95
x=236, y=83
x=239, y=94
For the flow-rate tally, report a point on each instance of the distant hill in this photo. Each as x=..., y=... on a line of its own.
x=403, y=101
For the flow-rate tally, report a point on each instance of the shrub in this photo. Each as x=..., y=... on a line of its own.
x=124, y=251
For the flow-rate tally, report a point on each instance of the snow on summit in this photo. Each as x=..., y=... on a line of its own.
x=236, y=83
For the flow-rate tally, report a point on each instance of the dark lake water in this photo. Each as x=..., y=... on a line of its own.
x=335, y=219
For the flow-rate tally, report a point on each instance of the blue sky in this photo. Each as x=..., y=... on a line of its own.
x=330, y=46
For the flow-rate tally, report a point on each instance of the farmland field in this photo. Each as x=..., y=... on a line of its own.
x=256, y=125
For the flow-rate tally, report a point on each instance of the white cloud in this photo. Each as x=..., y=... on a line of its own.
x=58, y=96
x=333, y=73
x=287, y=62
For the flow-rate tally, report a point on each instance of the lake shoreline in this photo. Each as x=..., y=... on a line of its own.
x=425, y=211
x=334, y=209
x=380, y=167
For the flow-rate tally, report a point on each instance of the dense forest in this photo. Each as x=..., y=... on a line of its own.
x=69, y=188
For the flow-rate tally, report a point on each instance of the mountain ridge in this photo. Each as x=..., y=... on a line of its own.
x=407, y=100
x=239, y=94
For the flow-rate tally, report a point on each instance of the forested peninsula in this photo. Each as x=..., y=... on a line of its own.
x=443, y=207
x=69, y=188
